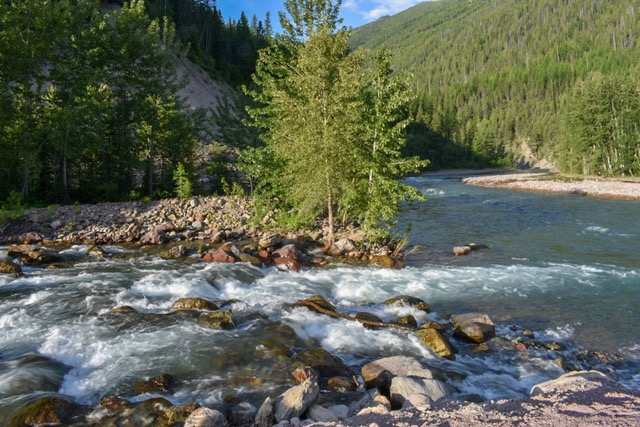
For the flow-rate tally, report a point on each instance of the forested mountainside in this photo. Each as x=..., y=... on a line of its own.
x=96, y=103
x=556, y=78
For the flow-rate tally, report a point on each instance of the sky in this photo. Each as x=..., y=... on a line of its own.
x=354, y=12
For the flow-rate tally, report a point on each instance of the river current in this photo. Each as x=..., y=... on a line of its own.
x=565, y=267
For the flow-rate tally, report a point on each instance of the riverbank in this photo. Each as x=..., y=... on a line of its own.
x=576, y=399
x=220, y=229
x=618, y=188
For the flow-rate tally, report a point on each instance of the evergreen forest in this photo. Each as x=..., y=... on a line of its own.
x=503, y=81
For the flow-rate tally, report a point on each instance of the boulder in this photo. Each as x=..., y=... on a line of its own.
x=340, y=411
x=287, y=264
x=30, y=254
x=403, y=387
x=341, y=247
x=8, y=267
x=193, y=304
x=368, y=317
x=180, y=413
x=326, y=364
x=379, y=373
x=270, y=241
x=222, y=319
x=341, y=384
x=163, y=383
x=175, y=252
x=474, y=327
x=406, y=300
x=30, y=238
x=219, y=256
x=322, y=415
x=264, y=416
x=206, y=417
x=250, y=259
x=569, y=381
x=243, y=414
x=387, y=261
x=49, y=410
x=96, y=251
x=461, y=250
x=295, y=401
x=434, y=341
x=288, y=251
x=154, y=237
x=321, y=302
x=407, y=320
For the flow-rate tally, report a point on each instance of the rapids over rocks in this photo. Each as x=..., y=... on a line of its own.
x=560, y=280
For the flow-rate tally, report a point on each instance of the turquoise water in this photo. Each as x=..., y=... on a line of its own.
x=566, y=267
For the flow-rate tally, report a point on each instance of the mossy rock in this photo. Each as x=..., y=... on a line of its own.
x=8, y=267
x=438, y=344
x=193, y=304
x=407, y=320
x=47, y=410
x=222, y=319
x=321, y=302
x=163, y=383
x=406, y=300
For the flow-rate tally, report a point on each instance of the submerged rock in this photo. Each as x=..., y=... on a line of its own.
x=387, y=261
x=364, y=317
x=320, y=302
x=406, y=300
x=31, y=373
x=163, y=383
x=474, y=327
x=222, y=319
x=55, y=409
x=434, y=341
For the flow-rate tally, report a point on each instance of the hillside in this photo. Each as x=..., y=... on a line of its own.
x=497, y=74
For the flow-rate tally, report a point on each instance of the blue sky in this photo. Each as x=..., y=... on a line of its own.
x=354, y=12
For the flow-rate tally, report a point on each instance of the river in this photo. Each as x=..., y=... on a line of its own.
x=565, y=267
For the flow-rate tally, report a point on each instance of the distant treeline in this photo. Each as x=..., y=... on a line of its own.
x=493, y=75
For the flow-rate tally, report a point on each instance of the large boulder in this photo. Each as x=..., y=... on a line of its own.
x=569, y=381
x=379, y=373
x=264, y=417
x=403, y=387
x=295, y=401
x=474, y=327
x=434, y=341
x=409, y=301
x=31, y=254
x=341, y=247
x=288, y=251
x=206, y=417
x=30, y=238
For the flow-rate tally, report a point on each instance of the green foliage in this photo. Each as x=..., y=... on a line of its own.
x=183, y=187
x=601, y=128
x=333, y=127
x=12, y=209
x=87, y=101
x=501, y=69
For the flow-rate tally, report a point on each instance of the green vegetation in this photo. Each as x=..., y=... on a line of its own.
x=333, y=128
x=497, y=78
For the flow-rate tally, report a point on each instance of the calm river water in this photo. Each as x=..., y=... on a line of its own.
x=565, y=267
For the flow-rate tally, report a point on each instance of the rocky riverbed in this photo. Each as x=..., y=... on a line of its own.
x=549, y=183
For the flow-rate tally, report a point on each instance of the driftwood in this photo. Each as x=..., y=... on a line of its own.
x=318, y=309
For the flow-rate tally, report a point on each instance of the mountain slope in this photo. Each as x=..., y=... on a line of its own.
x=495, y=74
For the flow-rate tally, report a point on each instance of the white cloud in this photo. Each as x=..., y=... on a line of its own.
x=374, y=9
